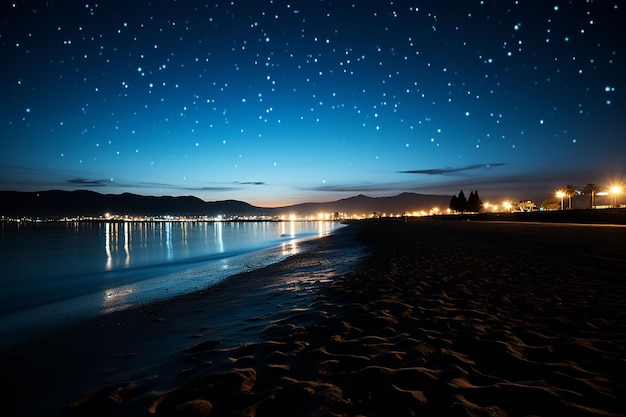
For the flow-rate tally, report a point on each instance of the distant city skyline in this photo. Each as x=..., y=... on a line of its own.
x=278, y=103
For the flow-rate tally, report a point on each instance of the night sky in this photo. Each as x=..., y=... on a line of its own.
x=284, y=102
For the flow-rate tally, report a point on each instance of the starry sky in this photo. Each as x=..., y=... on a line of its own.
x=281, y=102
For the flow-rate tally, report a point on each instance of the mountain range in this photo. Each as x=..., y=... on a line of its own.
x=56, y=203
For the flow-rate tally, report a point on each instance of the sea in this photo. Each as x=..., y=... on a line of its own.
x=57, y=273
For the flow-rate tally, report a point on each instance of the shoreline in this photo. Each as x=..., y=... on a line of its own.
x=439, y=318
x=129, y=344
x=124, y=287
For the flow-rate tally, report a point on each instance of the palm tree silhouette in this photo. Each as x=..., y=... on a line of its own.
x=593, y=189
x=569, y=191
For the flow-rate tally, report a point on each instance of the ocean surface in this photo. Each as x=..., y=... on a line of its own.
x=55, y=273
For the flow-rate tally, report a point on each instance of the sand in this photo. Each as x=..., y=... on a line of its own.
x=437, y=318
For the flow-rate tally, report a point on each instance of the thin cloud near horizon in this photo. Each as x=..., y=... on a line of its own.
x=111, y=183
x=450, y=170
x=89, y=183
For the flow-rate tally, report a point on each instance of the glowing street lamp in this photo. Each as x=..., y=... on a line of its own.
x=561, y=194
x=507, y=206
x=615, y=191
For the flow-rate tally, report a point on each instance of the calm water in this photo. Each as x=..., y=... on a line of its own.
x=55, y=272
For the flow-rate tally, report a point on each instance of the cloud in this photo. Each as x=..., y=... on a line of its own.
x=448, y=170
x=89, y=183
x=250, y=183
x=218, y=187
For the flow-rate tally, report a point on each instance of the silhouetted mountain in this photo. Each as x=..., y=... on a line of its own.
x=361, y=204
x=88, y=203
x=48, y=204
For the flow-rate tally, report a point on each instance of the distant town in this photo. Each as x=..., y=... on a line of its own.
x=50, y=207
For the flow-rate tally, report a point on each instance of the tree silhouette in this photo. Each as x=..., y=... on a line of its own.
x=454, y=203
x=470, y=200
x=462, y=203
x=569, y=191
x=592, y=189
x=458, y=203
x=474, y=203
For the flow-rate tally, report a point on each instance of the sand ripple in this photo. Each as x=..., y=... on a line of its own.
x=442, y=319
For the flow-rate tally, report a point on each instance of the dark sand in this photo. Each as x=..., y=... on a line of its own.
x=442, y=318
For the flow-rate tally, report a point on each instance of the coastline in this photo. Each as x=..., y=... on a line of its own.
x=54, y=297
x=440, y=318
x=143, y=343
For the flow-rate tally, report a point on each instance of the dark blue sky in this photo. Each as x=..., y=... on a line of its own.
x=284, y=102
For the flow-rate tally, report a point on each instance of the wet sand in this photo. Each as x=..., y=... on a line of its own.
x=439, y=318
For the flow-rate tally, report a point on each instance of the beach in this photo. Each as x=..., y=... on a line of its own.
x=385, y=317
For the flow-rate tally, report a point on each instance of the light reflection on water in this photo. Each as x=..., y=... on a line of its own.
x=178, y=237
x=219, y=230
x=107, y=246
x=289, y=248
x=126, y=244
x=185, y=240
x=117, y=299
x=131, y=244
x=66, y=269
x=176, y=240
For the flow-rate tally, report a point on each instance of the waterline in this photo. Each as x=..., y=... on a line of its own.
x=126, y=265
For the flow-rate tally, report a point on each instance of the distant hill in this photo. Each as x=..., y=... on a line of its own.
x=88, y=203
x=361, y=204
x=56, y=203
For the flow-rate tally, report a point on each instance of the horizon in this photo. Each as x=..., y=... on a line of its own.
x=281, y=104
x=604, y=197
x=489, y=198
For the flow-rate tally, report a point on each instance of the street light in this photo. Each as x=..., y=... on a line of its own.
x=615, y=191
x=560, y=194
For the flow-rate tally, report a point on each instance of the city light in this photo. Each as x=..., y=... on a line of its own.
x=560, y=194
x=615, y=190
x=605, y=197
